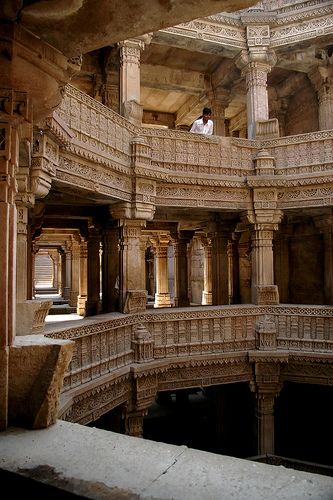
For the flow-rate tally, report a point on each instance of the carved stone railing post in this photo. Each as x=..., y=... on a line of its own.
x=143, y=344
x=265, y=332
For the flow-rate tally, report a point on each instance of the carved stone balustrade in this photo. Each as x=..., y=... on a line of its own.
x=164, y=350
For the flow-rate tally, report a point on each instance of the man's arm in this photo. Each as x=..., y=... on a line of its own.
x=194, y=127
x=210, y=129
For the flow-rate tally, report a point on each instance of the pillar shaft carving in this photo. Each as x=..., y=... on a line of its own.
x=162, y=295
x=181, y=269
x=207, y=289
x=325, y=225
x=322, y=79
x=264, y=223
x=14, y=112
x=267, y=387
x=133, y=294
x=75, y=273
x=110, y=269
x=220, y=263
x=83, y=280
x=93, y=291
x=130, y=51
x=255, y=65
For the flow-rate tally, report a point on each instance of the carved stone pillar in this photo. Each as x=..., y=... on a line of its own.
x=220, y=265
x=233, y=259
x=22, y=254
x=75, y=269
x=62, y=270
x=110, y=270
x=207, y=290
x=130, y=77
x=279, y=111
x=325, y=224
x=265, y=219
x=282, y=265
x=181, y=269
x=267, y=387
x=83, y=281
x=219, y=101
x=162, y=295
x=322, y=79
x=263, y=289
x=67, y=279
x=255, y=64
x=132, y=292
x=93, y=247
x=134, y=422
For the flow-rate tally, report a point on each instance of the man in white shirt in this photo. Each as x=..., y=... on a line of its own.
x=204, y=124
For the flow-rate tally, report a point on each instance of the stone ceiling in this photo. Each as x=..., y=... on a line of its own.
x=78, y=26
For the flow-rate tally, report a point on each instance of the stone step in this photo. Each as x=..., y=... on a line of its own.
x=62, y=309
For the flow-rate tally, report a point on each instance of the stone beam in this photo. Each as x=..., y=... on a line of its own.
x=179, y=80
x=77, y=27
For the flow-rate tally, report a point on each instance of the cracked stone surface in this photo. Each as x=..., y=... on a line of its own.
x=101, y=464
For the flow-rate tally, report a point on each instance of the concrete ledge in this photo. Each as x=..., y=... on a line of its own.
x=100, y=464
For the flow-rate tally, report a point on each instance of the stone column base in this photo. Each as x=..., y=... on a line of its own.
x=266, y=295
x=81, y=305
x=135, y=301
x=206, y=298
x=162, y=300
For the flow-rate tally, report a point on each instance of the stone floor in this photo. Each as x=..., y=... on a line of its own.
x=99, y=464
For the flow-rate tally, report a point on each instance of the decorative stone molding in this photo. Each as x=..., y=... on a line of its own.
x=267, y=129
x=133, y=111
x=59, y=129
x=135, y=301
x=267, y=294
x=45, y=159
x=30, y=317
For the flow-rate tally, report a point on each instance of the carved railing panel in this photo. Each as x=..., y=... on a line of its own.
x=107, y=348
x=190, y=170
x=97, y=352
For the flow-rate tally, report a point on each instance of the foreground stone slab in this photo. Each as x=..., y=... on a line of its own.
x=101, y=464
x=37, y=367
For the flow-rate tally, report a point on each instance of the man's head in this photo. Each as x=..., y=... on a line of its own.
x=206, y=114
